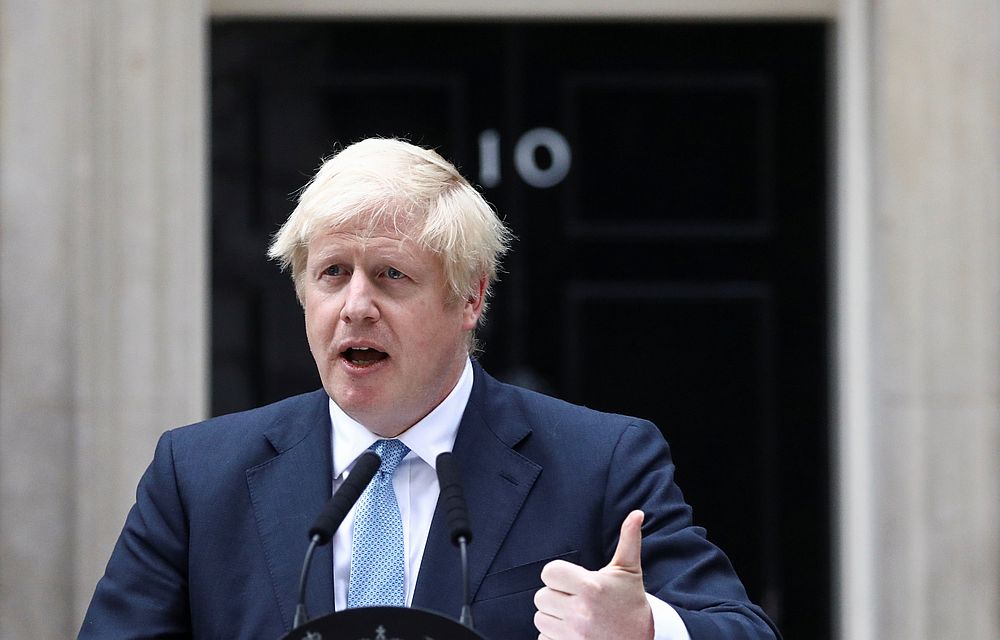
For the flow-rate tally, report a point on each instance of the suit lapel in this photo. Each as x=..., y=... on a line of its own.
x=287, y=493
x=496, y=481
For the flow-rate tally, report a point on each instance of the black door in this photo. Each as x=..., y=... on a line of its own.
x=667, y=186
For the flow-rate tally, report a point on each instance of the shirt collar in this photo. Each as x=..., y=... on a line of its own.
x=430, y=437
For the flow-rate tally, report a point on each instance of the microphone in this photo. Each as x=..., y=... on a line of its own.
x=330, y=518
x=453, y=500
x=336, y=509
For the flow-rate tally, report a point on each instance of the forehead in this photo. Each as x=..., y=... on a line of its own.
x=382, y=240
x=388, y=221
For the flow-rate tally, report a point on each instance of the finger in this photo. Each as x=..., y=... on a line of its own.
x=565, y=576
x=547, y=626
x=628, y=554
x=555, y=603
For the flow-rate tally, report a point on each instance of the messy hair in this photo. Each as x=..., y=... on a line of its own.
x=388, y=183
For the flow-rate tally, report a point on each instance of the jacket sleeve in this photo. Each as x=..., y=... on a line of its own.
x=680, y=566
x=144, y=590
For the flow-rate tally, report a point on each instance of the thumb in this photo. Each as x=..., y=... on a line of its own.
x=628, y=554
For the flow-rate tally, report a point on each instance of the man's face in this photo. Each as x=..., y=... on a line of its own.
x=388, y=339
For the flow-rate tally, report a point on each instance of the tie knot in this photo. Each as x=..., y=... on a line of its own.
x=392, y=453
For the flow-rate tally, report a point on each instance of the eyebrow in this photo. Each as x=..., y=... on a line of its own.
x=392, y=253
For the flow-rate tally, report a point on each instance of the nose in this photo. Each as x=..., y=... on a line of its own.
x=359, y=303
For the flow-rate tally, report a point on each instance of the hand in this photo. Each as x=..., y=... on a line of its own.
x=610, y=603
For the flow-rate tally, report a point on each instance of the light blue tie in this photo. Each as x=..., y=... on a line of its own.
x=378, y=574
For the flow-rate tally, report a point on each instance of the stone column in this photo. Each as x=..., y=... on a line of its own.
x=40, y=175
x=936, y=312
x=103, y=280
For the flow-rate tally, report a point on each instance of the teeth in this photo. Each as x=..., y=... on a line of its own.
x=361, y=348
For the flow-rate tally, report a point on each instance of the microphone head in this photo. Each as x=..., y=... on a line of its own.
x=347, y=494
x=365, y=468
x=453, y=499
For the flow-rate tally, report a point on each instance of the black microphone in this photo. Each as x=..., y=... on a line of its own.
x=453, y=500
x=336, y=509
x=330, y=518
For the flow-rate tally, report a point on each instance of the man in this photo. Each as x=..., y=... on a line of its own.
x=579, y=529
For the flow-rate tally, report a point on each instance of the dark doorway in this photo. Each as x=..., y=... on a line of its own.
x=666, y=182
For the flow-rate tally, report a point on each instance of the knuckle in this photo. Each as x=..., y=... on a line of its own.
x=546, y=574
x=539, y=597
x=540, y=622
x=549, y=569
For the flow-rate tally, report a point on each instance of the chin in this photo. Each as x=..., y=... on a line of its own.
x=351, y=399
x=358, y=404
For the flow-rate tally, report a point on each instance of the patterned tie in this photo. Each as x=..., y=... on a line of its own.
x=378, y=576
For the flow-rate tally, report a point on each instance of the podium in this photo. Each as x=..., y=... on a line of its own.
x=383, y=623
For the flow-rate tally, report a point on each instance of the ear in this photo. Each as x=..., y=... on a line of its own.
x=473, y=305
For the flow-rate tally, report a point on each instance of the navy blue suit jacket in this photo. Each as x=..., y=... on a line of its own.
x=214, y=544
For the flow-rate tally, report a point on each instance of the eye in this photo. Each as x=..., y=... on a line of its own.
x=333, y=270
x=394, y=274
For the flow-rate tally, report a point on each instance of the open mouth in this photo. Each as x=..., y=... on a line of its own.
x=363, y=356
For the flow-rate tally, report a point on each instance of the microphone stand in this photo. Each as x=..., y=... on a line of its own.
x=301, y=616
x=466, y=615
x=330, y=518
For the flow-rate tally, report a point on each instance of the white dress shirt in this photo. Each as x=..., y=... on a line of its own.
x=416, y=486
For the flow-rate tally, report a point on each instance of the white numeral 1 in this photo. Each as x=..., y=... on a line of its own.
x=489, y=158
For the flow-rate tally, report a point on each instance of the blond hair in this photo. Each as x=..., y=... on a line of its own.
x=388, y=183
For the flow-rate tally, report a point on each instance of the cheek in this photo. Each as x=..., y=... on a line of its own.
x=441, y=333
x=320, y=320
x=312, y=336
